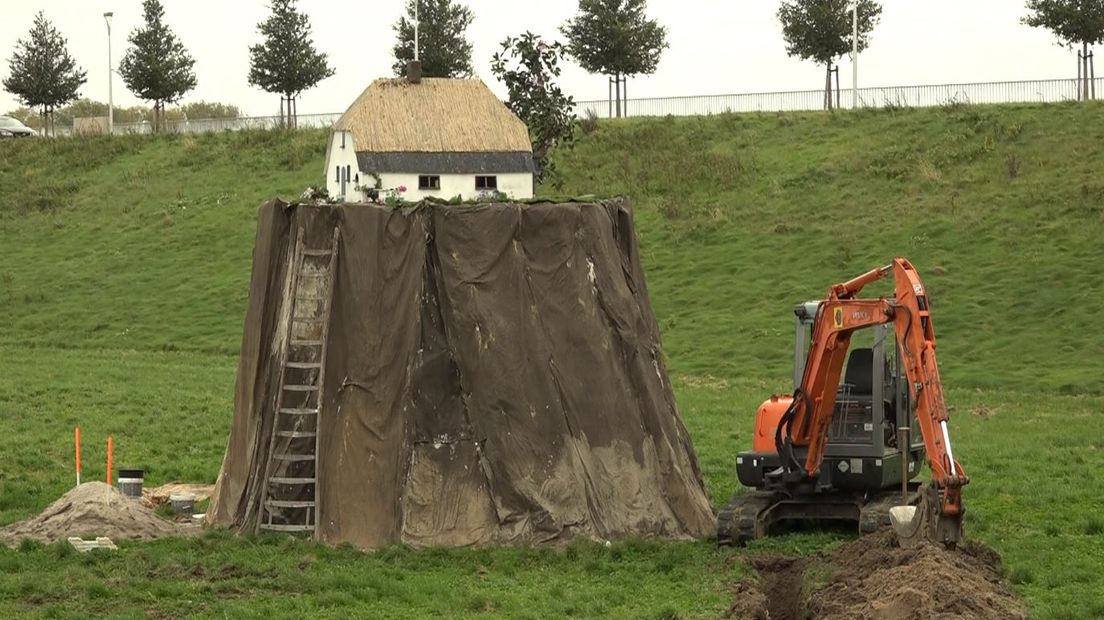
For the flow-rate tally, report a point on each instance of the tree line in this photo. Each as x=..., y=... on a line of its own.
x=613, y=38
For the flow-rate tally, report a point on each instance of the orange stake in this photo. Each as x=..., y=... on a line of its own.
x=110, y=448
x=78, y=455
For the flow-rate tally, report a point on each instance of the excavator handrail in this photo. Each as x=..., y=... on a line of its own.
x=837, y=318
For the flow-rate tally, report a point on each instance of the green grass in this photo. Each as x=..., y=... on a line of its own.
x=123, y=273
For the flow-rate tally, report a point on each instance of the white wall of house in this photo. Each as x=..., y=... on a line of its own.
x=342, y=155
x=343, y=175
x=514, y=185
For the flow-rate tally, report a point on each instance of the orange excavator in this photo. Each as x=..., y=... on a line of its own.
x=842, y=450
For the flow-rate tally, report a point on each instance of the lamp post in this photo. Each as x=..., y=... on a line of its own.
x=855, y=54
x=110, y=101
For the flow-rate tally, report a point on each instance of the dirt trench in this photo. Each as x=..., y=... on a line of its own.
x=871, y=578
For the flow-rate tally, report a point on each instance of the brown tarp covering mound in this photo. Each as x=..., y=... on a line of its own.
x=493, y=374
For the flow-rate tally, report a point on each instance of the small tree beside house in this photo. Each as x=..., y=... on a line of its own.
x=528, y=66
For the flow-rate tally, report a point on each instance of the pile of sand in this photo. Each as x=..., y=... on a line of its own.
x=89, y=510
x=872, y=578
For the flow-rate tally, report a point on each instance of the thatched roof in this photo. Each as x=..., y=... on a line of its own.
x=435, y=115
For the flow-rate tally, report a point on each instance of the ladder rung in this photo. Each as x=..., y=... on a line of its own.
x=286, y=503
x=317, y=252
x=293, y=457
x=285, y=480
x=299, y=411
x=306, y=343
x=304, y=364
x=275, y=527
x=296, y=434
x=301, y=388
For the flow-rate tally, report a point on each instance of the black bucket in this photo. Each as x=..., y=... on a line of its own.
x=130, y=482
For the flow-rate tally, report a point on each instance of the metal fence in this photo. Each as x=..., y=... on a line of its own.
x=209, y=125
x=1034, y=91
x=229, y=124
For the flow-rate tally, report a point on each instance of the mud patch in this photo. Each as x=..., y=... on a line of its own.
x=776, y=594
x=748, y=602
x=781, y=579
x=876, y=579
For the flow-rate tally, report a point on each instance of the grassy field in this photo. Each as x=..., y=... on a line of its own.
x=123, y=282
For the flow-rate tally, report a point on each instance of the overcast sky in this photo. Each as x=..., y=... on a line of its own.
x=716, y=46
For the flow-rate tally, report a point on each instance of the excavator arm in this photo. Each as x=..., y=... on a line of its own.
x=806, y=422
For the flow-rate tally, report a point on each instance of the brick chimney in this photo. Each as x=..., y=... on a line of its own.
x=414, y=71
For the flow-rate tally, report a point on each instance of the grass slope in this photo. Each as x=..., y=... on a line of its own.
x=123, y=282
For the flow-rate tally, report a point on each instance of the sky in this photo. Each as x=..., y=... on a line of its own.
x=716, y=46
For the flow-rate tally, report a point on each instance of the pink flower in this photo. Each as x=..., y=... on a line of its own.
x=402, y=188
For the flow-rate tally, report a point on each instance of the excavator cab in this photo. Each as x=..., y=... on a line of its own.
x=861, y=476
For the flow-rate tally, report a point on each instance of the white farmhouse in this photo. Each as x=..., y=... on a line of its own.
x=435, y=137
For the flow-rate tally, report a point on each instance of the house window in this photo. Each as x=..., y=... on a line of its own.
x=429, y=181
x=337, y=173
x=486, y=183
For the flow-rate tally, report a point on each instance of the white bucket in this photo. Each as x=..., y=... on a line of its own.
x=183, y=504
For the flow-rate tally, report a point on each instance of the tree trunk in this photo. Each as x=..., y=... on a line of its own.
x=617, y=90
x=828, y=87
x=625, y=97
x=1085, y=69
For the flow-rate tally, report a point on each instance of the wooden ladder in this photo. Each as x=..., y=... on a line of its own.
x=289, y=501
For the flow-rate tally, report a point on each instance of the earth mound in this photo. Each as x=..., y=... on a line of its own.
x=89, y=510
x=481, y=374
x=877, y=579
x=872, y=578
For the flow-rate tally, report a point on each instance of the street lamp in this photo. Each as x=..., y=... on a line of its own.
x=110, y=102
x=855, y=54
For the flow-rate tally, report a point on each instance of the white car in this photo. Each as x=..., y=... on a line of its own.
x=12, y=128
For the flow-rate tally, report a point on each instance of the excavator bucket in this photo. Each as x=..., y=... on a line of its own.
x=915, y=525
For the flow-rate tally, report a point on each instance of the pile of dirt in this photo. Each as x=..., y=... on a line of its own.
x=89, y=510
x=874, y=578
